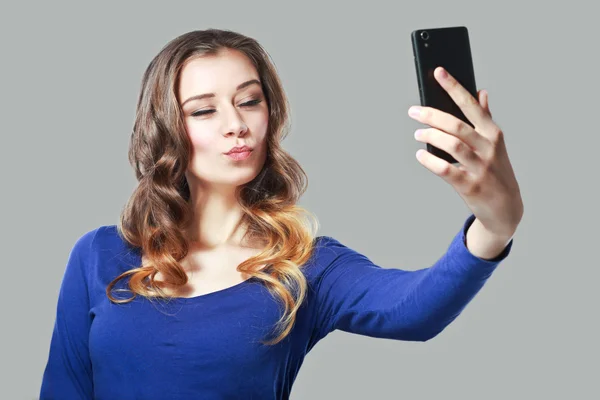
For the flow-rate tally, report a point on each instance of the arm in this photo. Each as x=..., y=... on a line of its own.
x=357, y=296
x=68, y=372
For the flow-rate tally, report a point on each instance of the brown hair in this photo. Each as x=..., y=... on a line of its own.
x=156, y=214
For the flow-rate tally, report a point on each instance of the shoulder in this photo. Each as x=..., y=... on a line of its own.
x=100, y=239
x=328, y=251
x=108, y=237
x=327, y=246
x=103, y=254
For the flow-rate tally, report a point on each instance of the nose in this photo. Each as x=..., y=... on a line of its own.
x=235, y=124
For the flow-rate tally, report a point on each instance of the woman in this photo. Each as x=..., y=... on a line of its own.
x=227, y=287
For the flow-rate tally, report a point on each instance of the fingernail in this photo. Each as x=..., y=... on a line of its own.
x=414, y=111
x=418, y=133
x=443, y=73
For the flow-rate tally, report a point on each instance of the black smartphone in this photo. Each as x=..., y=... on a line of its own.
x=449, y=48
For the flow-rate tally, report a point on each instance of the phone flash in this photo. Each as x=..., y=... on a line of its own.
x=426, y=44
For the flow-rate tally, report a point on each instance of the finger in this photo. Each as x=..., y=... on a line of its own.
x=450, y=124
x=468, y=104
x=452, y=145
x=484, y=100
x=454, y=176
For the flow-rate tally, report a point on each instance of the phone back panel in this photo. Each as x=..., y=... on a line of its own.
x=449, y=48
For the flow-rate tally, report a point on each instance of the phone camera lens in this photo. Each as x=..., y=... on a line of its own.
x=424, y=35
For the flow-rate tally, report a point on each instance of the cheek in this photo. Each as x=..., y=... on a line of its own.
x=202, y=140
x=260, y=128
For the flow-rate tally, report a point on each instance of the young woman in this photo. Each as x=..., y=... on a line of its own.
x=213, y=284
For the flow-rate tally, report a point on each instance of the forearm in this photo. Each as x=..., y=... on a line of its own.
x=483, y=243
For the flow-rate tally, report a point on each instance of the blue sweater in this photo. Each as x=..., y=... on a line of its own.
x=207, y=347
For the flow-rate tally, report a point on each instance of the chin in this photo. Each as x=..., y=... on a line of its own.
x=245, y=178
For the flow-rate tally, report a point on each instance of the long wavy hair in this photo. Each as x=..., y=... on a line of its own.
x=158, y=211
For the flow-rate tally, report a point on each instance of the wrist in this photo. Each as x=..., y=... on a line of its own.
x=485, y=244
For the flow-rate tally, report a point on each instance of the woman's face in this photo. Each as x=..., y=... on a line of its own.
x=232, y=113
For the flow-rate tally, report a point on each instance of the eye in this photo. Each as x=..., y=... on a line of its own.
x=200, y=113
x=250, y=103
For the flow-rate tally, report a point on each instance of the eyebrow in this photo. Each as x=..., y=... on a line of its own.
x=206, y=95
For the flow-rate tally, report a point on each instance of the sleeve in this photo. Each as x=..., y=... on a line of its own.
x=355, y=295
x=68, y=372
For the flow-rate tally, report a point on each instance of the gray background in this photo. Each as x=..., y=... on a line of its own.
x=70, y=80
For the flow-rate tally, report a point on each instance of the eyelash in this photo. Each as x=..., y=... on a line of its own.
x=246, y=104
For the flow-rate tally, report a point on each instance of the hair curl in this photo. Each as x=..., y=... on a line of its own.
x=156, y=214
